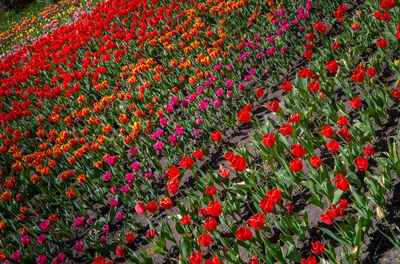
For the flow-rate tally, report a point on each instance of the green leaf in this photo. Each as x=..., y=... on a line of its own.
x=317, y=201
x=358, y=236
x=230, y=256
x=111, y=214
x=166, y=232
x=276, y=252
x=353, y=178
x=146, y=259
x=185, y=246
x=105, y=252
x=390, y=36
x=134, y=258
x=155, y=250
x=293, y=254
x=336, y=237
x=179, y=228
x=182, y=208
x=336, y=196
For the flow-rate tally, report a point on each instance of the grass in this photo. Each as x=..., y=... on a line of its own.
x=12, y=17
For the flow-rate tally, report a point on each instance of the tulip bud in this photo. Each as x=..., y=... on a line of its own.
x=155, y=250
x=345, y=64
x=309, y=111
x=338, y=73
x=372, y=80
x=354, y=251
x=380, y=213
x=382, y=181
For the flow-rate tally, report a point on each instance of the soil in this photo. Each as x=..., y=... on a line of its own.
x=13, y=4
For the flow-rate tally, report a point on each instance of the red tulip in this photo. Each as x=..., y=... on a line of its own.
x=238, y=163
x=185, y=220
x=318, y=248
x=289, y=207
x=341, y=182
x=166, y=203
x=328, y=217
x=203, y=211
x=381, y=43
x=273, y=106
x=210, y=224
x=298, y=151
x=358, y=74
x=371, y=72
x=257, y=221
x=333, y=146
x=216, y=135
x=187, y=162
x=310, y=260
x=335, y=46
x=332, y=66
x=287, y=86
x=327, y=131
x=120, y=252
x=305, y=73
x=316, y=161
x=268, y=140
x=244, y=116
x=254, y=260
x=294, y=118
x=173, y=172
x=196, y=258
x=343, y=203
x=342, y=121
x=368, y=150
x=395, y=93
x=314, y=86
x=355, y=26
x=309, y=37
x=355, y=102
x=229, y=156
x=296, y=165
x=130, y=237
x=286, y=129
x=387, y=4
x=152, y=206
x=275, y=195
x=214, y=208
x=320, y=27
x=224, y=173
x=260, y=92
x=198, y=154
x=173, y=185
x=244, y=233
x=344, y=133
x=361, y=163
x=267, y=205
x=214, y=260
x=211, y=190
x=204, y=240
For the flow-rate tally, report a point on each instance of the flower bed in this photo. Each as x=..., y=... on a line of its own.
x=122, y=139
